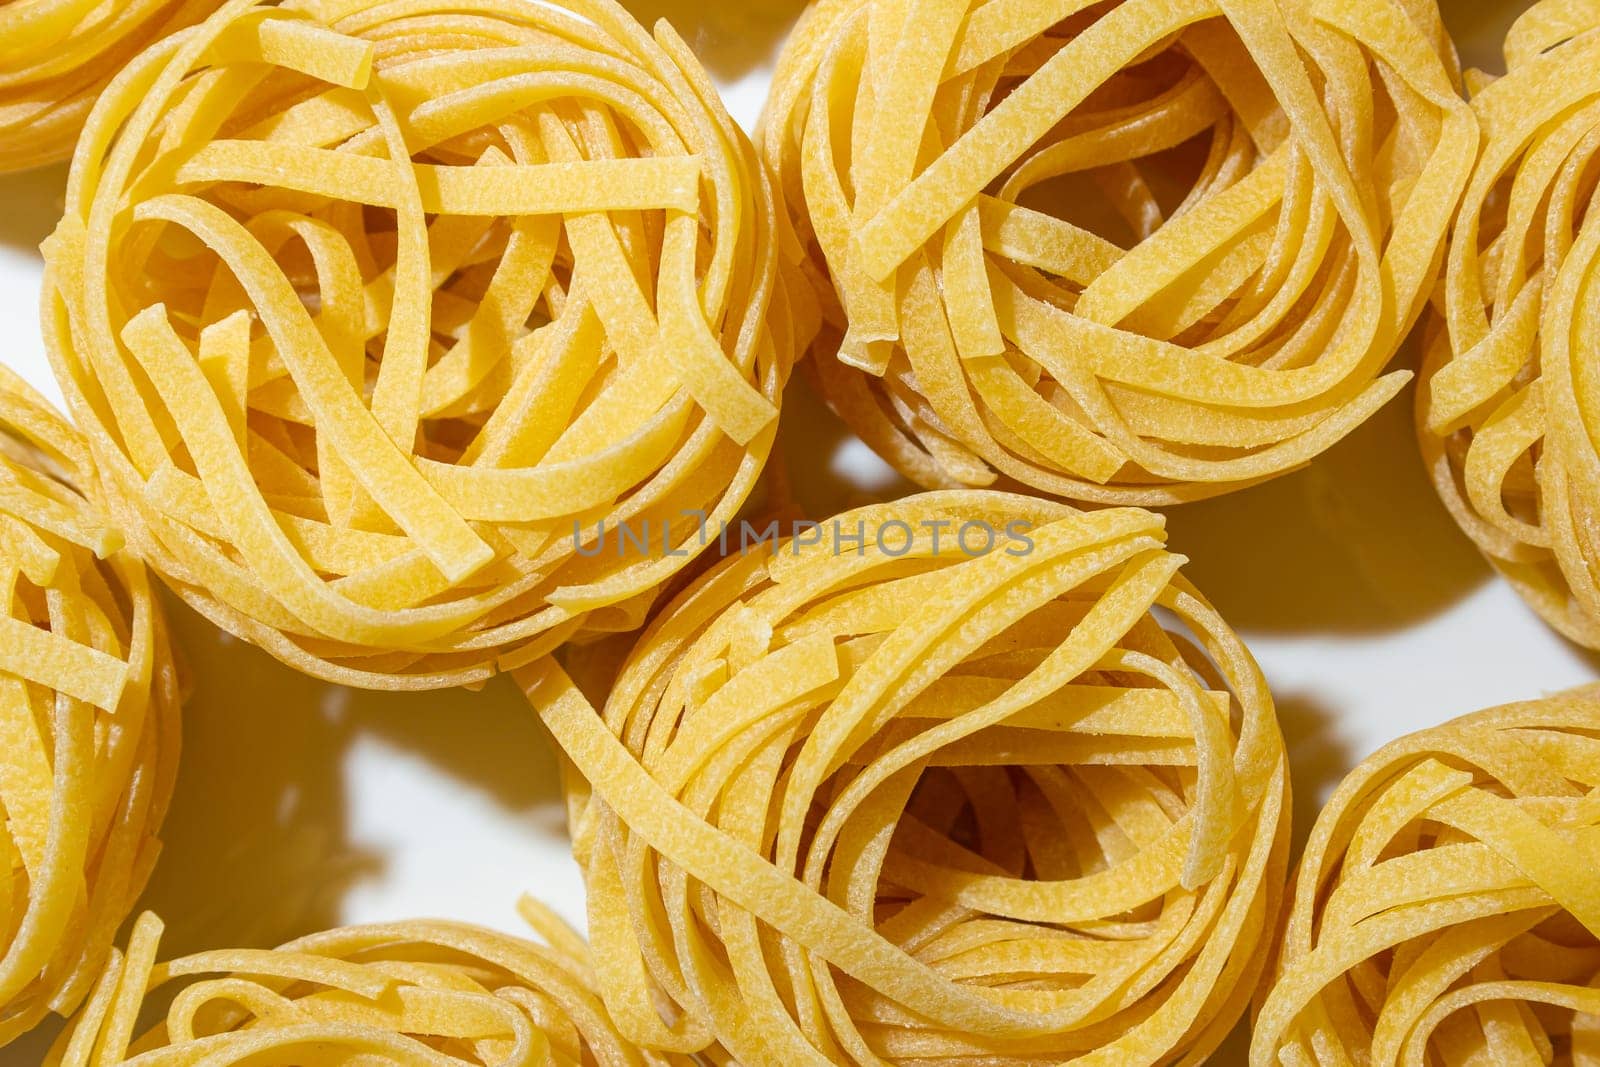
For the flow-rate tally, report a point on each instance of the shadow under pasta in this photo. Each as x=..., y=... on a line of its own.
x=731, y=39
x=1478, y=27
x=1357, y=542
x=255, y=850
x=33, y=203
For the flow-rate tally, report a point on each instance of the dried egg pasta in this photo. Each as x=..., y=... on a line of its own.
x=89, y=704
x=1129, y=253
x=1447, y=908
x=419, y=994
x=936, y=804
x=57, y=55
x=377, y=311
x=1507, y=411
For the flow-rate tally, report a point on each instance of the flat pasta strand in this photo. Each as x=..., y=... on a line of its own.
x=89, y=710
x=1446, y=908
x=420, y=993
x=57, y=55
x=1132, y=253
x=381, y=315
x=949, y=799
x=1507, y=409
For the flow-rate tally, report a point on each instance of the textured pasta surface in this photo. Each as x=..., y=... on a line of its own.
x=378, y=312
x=421, y=994
x=1131, y=253
x=1447, y=909
x=57, y=55
x=933, y=805
x=1509, y=409
x=89, y=704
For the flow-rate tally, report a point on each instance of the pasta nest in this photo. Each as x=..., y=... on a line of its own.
x=1127, y=253
x=1503, y=411
x=932, y=805
x=378, y=314
x=1446, y=909
x=57, y=55
x=425, y=993
x=89, y=730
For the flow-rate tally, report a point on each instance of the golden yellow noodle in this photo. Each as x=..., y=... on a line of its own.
x=1447, y=909
x=925, y=803
x=57, y=55
x=1509, y=410
x=88, y=720
x=370, y=305
x=1130, y=252
x=421, y=994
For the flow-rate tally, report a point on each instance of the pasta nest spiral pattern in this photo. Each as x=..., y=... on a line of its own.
x=89, y=705
x=1446, y=909
x=926, y=805
x=56, y=56
x=378, y=312
x=1506, y=411
x=1130, y=253
x=420, y=994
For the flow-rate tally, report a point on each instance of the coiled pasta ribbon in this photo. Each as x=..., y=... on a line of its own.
x=1131, y=253
x=57, y=55
x=1507, y=411
x=894, y=806
x=370, y=306
x=1447, y=908
x=89, y=705
x=421, y=994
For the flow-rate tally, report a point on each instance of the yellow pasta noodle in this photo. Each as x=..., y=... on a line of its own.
x=1509, y=409
x=920, y=802
x=421, y=994
x=57, y=55
x=371, y=306
x=89, y=703
x=1447, y=909
x=1133, y=252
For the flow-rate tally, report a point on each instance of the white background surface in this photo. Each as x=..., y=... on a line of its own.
x=301, y=805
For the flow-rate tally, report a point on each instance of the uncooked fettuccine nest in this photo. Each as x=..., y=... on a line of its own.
x=57, y=55
x=927, y=802
x=89, y=733
x=1507, y=409
x=379, y=314
x=420, y=994
x=1132, y=253
x=1447, y=909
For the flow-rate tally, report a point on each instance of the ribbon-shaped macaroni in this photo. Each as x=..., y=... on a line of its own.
x=57, y=55
x=1131, y=253
x=1509, y=409
x=88, y=720
x=379, y=312
x=904, y=799
x=419, y=994
x=1447, y=908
